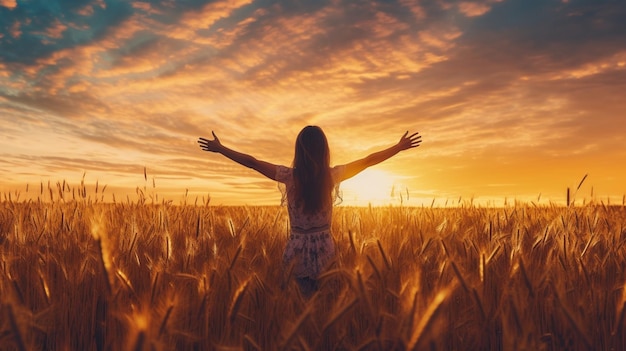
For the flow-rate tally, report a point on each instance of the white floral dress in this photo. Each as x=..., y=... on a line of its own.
x=310, y=246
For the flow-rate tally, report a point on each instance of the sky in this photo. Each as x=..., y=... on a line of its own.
x=516, y=100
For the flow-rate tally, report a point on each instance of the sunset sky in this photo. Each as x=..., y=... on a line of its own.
x=514, y=99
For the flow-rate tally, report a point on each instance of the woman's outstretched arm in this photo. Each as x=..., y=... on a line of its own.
x=265, y=168
x=406, y=142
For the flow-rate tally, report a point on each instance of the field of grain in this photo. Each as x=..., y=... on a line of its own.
x=83, y=275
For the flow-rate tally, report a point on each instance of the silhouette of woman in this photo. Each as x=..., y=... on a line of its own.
x=311, y=188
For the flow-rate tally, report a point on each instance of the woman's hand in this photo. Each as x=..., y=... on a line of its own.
x=408, y=142
x=210, y=145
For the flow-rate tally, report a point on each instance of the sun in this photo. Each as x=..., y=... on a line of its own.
x=371, y=186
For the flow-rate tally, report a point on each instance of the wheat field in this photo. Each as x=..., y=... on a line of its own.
x=79, y=274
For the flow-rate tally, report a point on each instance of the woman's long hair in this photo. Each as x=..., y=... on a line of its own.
x=311, y=170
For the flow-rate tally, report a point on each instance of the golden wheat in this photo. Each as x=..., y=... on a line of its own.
x=81, y=274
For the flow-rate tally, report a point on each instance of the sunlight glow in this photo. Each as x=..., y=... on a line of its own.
x=371, y=186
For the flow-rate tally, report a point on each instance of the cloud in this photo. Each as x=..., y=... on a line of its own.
x=472, y=9
x=191, y=22
x=10, y=4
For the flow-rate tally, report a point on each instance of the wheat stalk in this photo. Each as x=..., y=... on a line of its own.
x=428, y=318
x=17, y=334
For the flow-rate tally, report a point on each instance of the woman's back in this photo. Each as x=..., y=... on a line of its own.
x=300, y=220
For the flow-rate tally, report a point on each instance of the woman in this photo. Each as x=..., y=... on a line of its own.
x=310, y=188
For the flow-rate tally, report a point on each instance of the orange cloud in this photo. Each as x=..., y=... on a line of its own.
x=145, y=6
x=615, y=62
x=56, y=29
x=203, y=19
x=11, y=4
x=16, y=30
x=4, y=71
x=418, y=12
x=473, y=9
